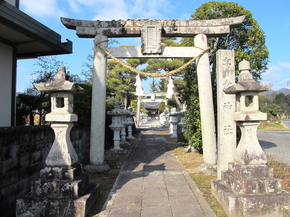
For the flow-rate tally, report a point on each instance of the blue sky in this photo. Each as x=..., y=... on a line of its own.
x=273, y=17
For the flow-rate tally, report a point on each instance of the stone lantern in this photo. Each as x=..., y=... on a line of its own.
x=248, y=116
x=125, y=123
x=62, y=190
x=116, y=125
x=174, y=121
x=130, y=124
x=248, y=187
x=62, y=153
x=182, y=114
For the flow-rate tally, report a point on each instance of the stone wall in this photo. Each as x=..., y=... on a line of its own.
x=23, y=151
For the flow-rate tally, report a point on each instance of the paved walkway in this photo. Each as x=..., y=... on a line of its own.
x=152, y=183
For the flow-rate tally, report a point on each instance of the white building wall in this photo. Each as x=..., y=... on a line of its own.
x=6, y=57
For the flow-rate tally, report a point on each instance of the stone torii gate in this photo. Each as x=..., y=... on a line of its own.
x=151, y=32
x=148, y=100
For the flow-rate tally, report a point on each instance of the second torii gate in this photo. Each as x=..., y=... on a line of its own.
x=151, y=32
x=148, y=100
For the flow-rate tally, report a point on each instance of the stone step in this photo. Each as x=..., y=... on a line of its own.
x=60, y=188
x=250, y=171
x=252, y=186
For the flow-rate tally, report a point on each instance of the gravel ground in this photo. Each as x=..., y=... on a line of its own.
x=276, y=143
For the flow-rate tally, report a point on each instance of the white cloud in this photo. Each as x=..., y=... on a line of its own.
x=284, y=65
x=273, y=73
x=42, y=8
x=149, y=9
x=74, y=6
x=277, y=74
x=185, y=17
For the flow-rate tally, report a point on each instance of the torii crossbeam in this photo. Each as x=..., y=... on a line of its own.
x=151, y=32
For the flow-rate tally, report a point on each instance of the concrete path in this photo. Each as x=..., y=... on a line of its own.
x=152, y=183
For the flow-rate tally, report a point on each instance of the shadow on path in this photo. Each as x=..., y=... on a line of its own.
x=153, y=183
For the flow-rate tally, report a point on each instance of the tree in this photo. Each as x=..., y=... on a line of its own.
x=34, y=102
x=280, y=99
x=275, y=109
x=166, y=65
x=120, y=80
x=153, y=87
x=162, y=86
x=248, y=41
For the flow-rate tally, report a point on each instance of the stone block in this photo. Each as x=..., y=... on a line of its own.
x=7, y=206
x=25, y=161
x=36, y=157
x=34, y=169
x=10, y=165
x=60, y=188
x=10, y=152
x=266, y=205
x=250, y=171
x=9, y=179
x=52, y=207
x=60, y=173
x=252, y=186
x=23, y=185
x=9, y=191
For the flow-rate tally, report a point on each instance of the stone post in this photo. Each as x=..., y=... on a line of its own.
x=138, y=111
x=125, y=124
x=206, y=103
x=130, y=123
x=62, y=185
x=116, y=125
x=180, y=127
x=98, y=117
x=174, y=121
x=225, y=65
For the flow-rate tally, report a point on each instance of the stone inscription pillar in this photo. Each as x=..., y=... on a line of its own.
x=138, y=111
x=98, y=108
x=225, y=62
x=206, y=103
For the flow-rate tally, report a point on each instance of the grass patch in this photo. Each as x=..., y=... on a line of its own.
x=191, y=161
x=281, y=171
x=273, y=125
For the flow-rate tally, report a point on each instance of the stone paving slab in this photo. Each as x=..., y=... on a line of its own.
x=152, y=183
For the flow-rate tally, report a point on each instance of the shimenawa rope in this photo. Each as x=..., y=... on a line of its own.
x=151, y=74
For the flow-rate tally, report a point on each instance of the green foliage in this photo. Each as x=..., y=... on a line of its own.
x=120, y=80
x=27, y=105
x=192, y=116
x=133, y=105
x=162, y=86
x=153, y=87
x=275, y=109
x=248, y=40
x=82, y=104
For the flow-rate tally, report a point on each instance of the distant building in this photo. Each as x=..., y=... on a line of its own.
x=152, y=108
x=21, y=37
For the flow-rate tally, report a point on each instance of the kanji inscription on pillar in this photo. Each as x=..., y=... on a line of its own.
x=226, y=108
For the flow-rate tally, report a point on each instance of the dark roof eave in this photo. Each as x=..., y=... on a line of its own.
x=26, y=25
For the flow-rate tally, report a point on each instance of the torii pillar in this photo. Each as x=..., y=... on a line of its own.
x=151, y=32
